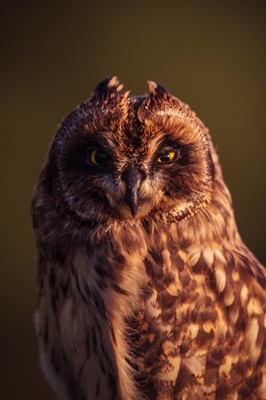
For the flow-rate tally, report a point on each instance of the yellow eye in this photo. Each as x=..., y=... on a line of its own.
x=97, y=157
x=167, y=157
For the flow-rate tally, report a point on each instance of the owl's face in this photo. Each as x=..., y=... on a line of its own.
x=125, y=158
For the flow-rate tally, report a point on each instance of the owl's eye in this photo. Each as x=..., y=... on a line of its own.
x=97, y=157
x=167, y=157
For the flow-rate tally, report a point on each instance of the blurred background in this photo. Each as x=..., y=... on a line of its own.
x=210, y=54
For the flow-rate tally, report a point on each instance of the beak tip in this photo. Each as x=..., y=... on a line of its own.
x=133, y=204
x=133, y=212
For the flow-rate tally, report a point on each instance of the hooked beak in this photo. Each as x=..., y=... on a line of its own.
x=133, y=178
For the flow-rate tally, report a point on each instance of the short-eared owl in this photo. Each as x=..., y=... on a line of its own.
x=146, y=290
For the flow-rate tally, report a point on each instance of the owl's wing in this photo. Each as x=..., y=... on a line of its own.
x=55, y=329
x=76, y=343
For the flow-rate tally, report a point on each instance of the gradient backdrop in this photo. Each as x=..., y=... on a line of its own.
x=210, y=54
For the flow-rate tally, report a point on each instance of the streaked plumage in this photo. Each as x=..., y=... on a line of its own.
x=146, y=290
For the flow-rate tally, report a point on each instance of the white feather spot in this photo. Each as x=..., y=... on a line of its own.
x=207, y=326
x=196, y=365
x=252, y=331
x=220, y=277
x=226, y=367
x=172, y=289
x=193, y=330
x=175, y=363
x=168, y=347
x=254, y=306
x=244, y=294
x=208, y=256
x=233, y=315
x=166, y=258
x=183, y=255
x=194, y=255
x=229, y=297
x=153, y=308
x=235, y=276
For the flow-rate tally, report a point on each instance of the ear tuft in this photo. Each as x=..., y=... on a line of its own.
x=156, y=89
x=107, y=89
x=114, y=83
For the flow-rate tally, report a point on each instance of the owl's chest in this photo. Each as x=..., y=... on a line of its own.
x=170, y=292
x=180, y=321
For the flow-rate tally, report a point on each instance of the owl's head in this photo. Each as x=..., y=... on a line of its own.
x=122, y=157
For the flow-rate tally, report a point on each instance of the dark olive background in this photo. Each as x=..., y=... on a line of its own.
x=210, y=54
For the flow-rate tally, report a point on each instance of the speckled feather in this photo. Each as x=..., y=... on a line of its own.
x=146, y=290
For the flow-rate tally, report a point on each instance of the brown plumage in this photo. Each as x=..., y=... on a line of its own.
x=146, y=290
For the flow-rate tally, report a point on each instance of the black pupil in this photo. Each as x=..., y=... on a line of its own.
x=165, y=157
x=100, y=157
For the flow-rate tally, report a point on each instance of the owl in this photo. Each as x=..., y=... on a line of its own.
x=145, y=288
